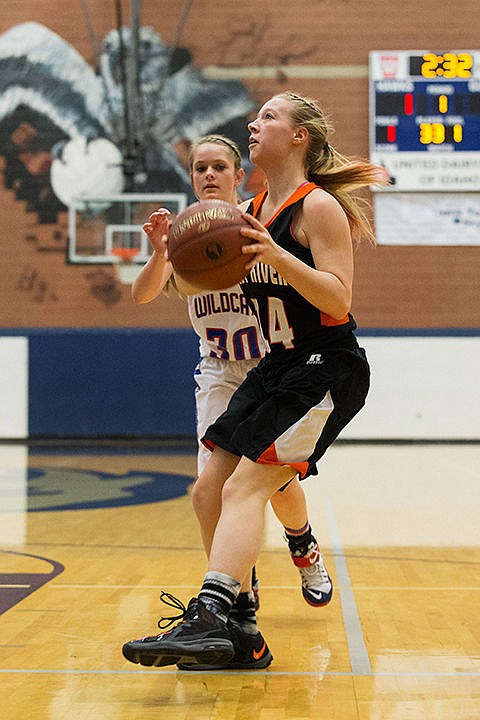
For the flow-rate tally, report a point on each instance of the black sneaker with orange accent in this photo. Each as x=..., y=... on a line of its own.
x=200, y=637
x=256, y=595
x=251, y=653
x=256, y=589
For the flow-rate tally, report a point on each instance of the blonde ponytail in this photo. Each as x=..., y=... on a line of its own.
x=337, y=174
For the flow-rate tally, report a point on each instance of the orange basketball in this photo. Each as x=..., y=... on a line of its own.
x=204, y=245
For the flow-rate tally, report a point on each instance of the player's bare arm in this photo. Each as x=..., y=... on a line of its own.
x=155, y=274
x=323, y=227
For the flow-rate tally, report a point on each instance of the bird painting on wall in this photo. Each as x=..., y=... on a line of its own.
x=67, y=128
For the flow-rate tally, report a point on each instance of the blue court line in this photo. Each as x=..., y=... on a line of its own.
x=359, y=660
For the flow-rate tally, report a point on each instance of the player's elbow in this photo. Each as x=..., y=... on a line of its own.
x=138, y=297
x=135, y=296
x=340, y=307
x=340, y=313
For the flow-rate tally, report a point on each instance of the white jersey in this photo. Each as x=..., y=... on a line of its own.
x=216, y=381
x=226, y=325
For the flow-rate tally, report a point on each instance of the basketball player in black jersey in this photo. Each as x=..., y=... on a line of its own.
x=294, y=404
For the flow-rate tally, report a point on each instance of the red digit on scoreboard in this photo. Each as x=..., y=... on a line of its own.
x=408, y=104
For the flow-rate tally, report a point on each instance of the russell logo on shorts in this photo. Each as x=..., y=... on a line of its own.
x=315, y=359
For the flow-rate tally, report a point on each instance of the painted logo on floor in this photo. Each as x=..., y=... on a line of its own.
x=16, y=586
x=76, y=489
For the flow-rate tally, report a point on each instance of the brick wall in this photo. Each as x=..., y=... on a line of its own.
x=395, y=286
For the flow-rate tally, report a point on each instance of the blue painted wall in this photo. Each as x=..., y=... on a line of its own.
x=138, y=382
x=111, y=382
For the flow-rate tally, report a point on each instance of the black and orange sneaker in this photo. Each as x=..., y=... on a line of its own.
x=201, y=637
x=256, y=589
x=251, y=653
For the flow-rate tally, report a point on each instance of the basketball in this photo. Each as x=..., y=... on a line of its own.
x=205, y=245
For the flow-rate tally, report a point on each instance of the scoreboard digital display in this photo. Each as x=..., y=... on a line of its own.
x=425, y=118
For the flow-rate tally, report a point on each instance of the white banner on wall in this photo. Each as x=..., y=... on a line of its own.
x=433, y=170
x=14, y=387
x=421, y=388
x=427, y=218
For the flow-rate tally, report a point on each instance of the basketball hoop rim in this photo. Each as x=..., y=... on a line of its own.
x=125, y=254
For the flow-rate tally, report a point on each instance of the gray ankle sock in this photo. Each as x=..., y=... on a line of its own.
x=219, y=592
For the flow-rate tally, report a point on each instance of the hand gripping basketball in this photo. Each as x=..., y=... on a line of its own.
x=205, y=245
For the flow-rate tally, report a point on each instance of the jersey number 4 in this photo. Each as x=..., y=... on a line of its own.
x=279, y=329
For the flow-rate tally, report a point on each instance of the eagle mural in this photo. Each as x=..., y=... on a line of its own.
x=67, y=128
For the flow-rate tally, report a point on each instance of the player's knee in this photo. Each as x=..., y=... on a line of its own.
x=201, y=491
x=207, y=490
x=241, y=486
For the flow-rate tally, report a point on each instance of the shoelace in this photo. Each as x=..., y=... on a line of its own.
x=299, y=550
x=318, y=568
x=173, y=602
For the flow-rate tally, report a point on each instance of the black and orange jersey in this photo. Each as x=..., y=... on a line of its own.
x=288, y=320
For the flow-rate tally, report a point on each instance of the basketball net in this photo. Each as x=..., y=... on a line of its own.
x=126, y=269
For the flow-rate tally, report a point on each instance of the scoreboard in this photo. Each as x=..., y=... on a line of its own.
x=425, y=118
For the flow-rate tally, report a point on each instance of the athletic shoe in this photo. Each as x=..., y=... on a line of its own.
x=316, y=583
x=251, y=653
x=256, y=593
x=201, y=636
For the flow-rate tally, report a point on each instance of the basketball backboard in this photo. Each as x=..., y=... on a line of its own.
x=108, y=229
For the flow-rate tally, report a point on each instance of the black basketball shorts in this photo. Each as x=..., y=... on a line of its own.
x=292, y=406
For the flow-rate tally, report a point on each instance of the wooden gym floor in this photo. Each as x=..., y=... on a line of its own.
x=89, y=536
